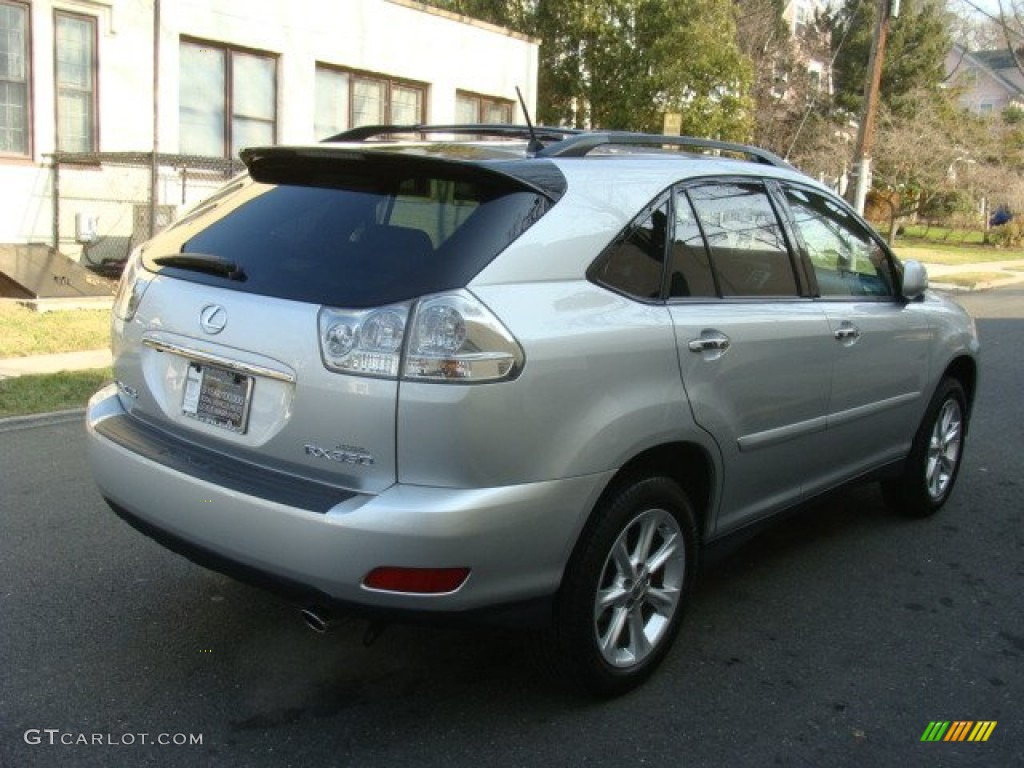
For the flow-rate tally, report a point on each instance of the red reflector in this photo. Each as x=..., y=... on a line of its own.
x=424, y=581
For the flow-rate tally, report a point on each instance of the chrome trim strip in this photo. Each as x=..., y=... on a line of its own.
x=224, y=362
x=861, y=411
x=821, y=423
x=782, y=434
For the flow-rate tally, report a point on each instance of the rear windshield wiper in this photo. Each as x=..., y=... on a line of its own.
x=202, y=262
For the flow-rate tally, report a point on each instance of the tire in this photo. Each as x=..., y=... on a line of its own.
x=626, y=587
x=931, y=468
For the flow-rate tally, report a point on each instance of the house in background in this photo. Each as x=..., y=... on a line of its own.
x=801, y=16
x=988, y=81
x=113, y=111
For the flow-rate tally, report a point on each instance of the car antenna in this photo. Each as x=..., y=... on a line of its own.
x=534, y=146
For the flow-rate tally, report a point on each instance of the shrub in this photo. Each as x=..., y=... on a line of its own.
x=1008, y=235
x=945, y=205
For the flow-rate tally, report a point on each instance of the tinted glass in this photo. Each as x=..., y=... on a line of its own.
x=369, y=242
x=690, y=274
x=748, y=250
x=847, y=261
x=634, y=263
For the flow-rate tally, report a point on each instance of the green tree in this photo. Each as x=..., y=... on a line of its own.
x=622, y=64
x=517, y=15
x=915, y=52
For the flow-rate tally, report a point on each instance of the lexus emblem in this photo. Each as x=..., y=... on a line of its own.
x=213, y=318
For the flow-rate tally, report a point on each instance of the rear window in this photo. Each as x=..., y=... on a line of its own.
x=354, y=236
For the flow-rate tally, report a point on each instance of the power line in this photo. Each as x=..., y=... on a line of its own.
x=1001, y=19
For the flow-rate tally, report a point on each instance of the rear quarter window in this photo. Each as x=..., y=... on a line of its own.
x=634, y=263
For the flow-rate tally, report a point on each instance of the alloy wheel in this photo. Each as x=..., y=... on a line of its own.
x=640, y=586
x=944, y=449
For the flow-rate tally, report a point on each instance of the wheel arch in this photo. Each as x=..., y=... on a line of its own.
x=965, y=370
x=688, y=464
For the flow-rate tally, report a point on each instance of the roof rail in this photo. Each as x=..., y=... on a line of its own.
x=498, y=130
x=582, y=144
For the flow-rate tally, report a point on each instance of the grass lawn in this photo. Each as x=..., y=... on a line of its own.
x=944, y=253
x=25, y=332
x=951, y=237
x=24, y=395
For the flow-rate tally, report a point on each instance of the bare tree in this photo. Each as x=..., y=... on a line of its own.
x=1011, y=22
x=972, y=29
x=916, y=160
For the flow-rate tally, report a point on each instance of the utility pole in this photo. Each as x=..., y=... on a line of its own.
x=154, y=167
x=866, y=131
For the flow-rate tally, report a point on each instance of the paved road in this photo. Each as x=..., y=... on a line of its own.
x=832, y=640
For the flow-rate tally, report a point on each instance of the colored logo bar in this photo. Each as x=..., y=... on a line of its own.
x=958, y=730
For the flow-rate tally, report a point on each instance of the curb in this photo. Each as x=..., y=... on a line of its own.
x=982, y=285
x=15, y=423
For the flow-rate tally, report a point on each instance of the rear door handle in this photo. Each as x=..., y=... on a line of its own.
x=847, y=332
x=710, y=344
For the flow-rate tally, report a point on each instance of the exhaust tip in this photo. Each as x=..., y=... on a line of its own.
x=316, y=619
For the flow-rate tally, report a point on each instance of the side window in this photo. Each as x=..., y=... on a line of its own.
x=748, y=250
x=847, y=261
x=690, y=269
x=633, y=263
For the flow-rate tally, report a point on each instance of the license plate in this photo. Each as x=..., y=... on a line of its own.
x=217, y=396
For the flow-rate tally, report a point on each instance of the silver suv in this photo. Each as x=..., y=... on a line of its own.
x=471, y=373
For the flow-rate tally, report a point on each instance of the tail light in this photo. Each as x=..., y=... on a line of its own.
x=131, y=288
x=363, y=342
x=422, y=581
x=449, y=337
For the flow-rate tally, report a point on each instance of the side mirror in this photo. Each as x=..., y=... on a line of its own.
x=915, y=280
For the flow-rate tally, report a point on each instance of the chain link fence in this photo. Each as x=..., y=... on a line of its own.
x=107, y=203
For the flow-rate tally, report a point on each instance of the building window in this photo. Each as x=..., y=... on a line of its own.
x=802, y=18
x=14, y=79
x=75, y=76
x=332, y=102
x=347, y=99
x=814, y=79
x=227, y=99
x=474, y=108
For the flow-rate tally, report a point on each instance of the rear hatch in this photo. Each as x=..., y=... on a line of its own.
x=271, y=323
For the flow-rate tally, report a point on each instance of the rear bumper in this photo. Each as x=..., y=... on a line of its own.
x=515, y=539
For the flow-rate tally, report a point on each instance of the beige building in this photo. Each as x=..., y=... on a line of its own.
x=199, y=79
x=988, y=81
